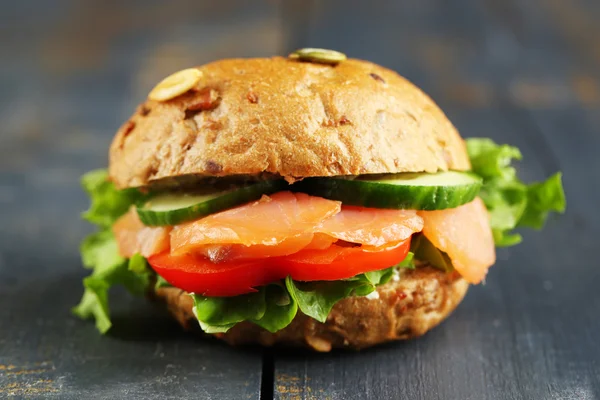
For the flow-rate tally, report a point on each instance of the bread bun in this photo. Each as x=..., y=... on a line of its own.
x=405, y=308
x=289, y=118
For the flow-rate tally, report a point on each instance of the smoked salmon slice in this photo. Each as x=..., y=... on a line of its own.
x=464, y=233
x=222, y=252
x=134, y=237
x=282, y=220
x=285, y=223
x=371, y=226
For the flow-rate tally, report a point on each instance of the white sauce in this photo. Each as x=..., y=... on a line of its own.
x=373, y=295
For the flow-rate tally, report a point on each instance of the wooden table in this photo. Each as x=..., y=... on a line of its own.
x=523, y=72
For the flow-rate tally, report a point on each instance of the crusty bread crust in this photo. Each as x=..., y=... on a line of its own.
x=406, y=308
x=290, y=118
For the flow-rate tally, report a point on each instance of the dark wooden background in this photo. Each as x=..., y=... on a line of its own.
x=523, y=72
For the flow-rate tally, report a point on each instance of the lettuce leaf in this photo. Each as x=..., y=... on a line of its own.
x=408, y=262
x=274, y=306
x=280, y=309
x=230, y=310
x=424, y=250
x=369, y=280
x=316, y=299
x=382, y=276
x=99, y=251
x=510, y=202
x=543, y=197
x=107, y=203
x=270, y=307
x=94, y=302
x=161, y=282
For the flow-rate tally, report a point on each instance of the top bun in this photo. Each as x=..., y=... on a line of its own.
x=290, y=118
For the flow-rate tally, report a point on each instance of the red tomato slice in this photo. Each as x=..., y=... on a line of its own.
x=196, y=274
x=339, y=262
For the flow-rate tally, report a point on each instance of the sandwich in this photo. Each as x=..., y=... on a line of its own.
x=309, y=200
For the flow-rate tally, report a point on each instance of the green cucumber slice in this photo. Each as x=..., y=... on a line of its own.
x=415, y=191
x=175, y=208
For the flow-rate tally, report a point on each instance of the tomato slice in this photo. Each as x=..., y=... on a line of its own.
x=339, y=262
x=197, y=274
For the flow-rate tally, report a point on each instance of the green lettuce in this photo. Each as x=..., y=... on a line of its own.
x=280, y=309
x=424, y=250
x=99, y=251
x=407, y=263
x=107, y=203
x=510, y=202
x=161, y=282
x=316, y=299
x=273, y=307
x=270, y=307
x=94, y=302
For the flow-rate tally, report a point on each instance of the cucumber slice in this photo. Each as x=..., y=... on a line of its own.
x=175, y=208
x=415, y=191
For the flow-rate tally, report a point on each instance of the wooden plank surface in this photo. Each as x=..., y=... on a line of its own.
x=523, y=73
x=71, y=72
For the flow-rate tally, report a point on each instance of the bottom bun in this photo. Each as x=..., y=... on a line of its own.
x=405, y=308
